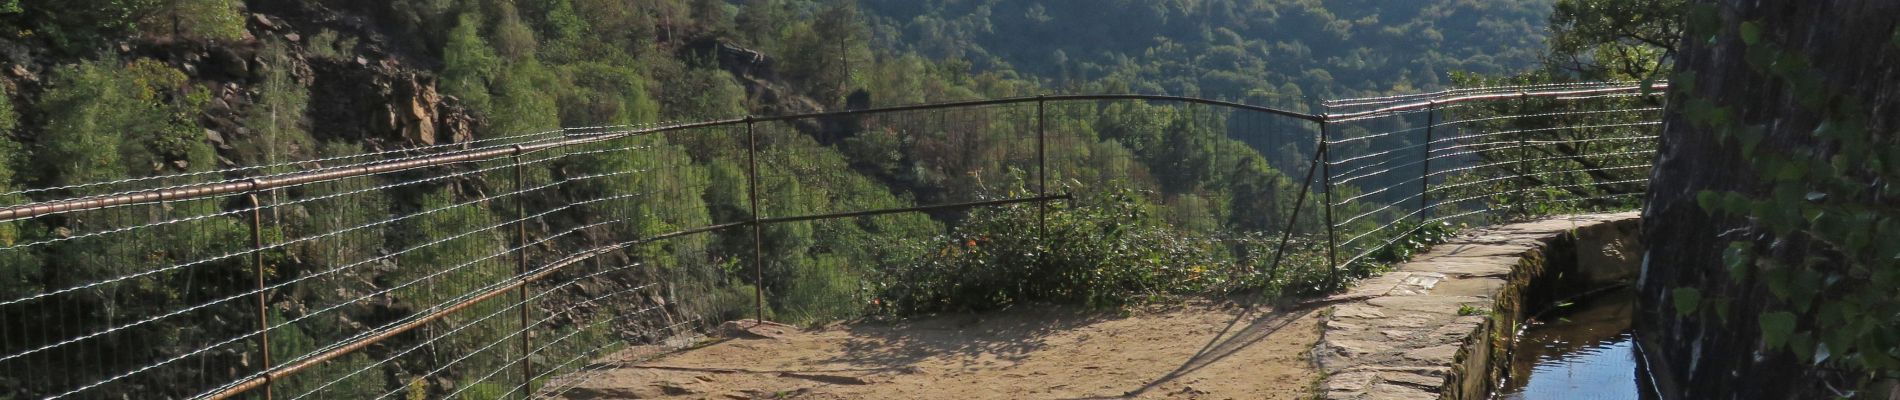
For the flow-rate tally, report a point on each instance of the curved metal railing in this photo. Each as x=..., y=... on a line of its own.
x=530, y=254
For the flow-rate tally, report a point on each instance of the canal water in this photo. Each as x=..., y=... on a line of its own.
x=1580, y=350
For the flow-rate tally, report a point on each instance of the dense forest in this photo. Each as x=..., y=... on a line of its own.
x=1281, y=52
x=202, y=90
x=104, y=96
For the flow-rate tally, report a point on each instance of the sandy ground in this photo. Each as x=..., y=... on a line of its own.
x=1201, y=351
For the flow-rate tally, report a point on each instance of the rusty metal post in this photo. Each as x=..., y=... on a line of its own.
x=521, y=270
x=263, y=306
x=1523, y=159
x=1042, y=169
x=1293, y=221
x=758, y=230
x=1326, y=172
x=1425, y=166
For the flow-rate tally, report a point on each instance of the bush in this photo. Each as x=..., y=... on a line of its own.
x=105, y=122
x=819, y=292
x=1304, y=270
x=196, y=19
x=1418, y=238
x=18, y=271
x=81, y=27
x=1113, y=249
x=329, y=45
x=1108, y=250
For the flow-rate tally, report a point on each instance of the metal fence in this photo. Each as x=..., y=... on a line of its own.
x=1394, y=165
x=504, y=267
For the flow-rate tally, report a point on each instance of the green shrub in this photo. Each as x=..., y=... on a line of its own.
x=83, y=27
x=1418, y=238
x=1302, y=271
x=823, y=290
x=107, y=122
x=278, y=115
x=196, y=19
x=18, y=270
x=328, y=45
x=1107, y=250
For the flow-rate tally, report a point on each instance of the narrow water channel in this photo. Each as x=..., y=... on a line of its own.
x=1582, y=350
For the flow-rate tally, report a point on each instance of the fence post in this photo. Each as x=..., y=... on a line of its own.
x=1326, y=170
x=521, y=270
x=257, y=268
x=1042, y=168
x=1425, y=166
x=758, y=230
x=1523, y=159
x=1293, y=221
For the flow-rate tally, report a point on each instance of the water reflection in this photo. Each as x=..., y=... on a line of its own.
x=1581, y=351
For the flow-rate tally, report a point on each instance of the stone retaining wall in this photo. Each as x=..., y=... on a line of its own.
x=1441, y=326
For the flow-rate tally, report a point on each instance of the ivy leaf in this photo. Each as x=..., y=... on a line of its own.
x=1802, y=345
x=1859, y=230
x=1762, y=58
x=1783, y=170
x=1821, y=353
x=1736, y=203
x=1751, y=137
x=1711, y=201
x=1708, y=114
x=1809, y=88
x=1807, y=285
x=1738, y=257
x=1776, y=328
x=1704, y=19
x=1687, y=299
x=1827, y=130
x=1876, y=360
x=1751, y=33
x=1791, y=66
x=1685, y=81
x=1780, y=281
x=1890, y=231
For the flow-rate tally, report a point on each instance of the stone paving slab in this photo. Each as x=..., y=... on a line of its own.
x=1400, y=336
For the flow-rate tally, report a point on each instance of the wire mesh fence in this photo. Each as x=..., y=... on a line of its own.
x=506, y=267
x=1395, y=165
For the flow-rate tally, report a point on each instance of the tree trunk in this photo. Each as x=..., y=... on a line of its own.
x=1853, y=45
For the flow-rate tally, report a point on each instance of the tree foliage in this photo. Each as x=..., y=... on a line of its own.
x=1242, y=50
x=107, y=122
x=1169, y=177
x=1818, y=227
x=85, y=26
x=1615, y=39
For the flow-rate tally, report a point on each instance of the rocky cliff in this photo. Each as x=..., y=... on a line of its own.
x=361, y=88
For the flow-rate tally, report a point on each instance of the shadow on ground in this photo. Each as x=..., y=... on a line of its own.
x=1009, y=336
x=1196, y=350
x=1258, y=327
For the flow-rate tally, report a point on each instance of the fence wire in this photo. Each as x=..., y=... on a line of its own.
x=511, y=266
x=1397, y=164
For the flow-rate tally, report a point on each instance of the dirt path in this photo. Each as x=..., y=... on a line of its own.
x=1201, y=351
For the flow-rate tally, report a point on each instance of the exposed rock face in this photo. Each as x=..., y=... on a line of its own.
x=416, y=116
x=385, y=102
x=371, y=96
x=1847, y=41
